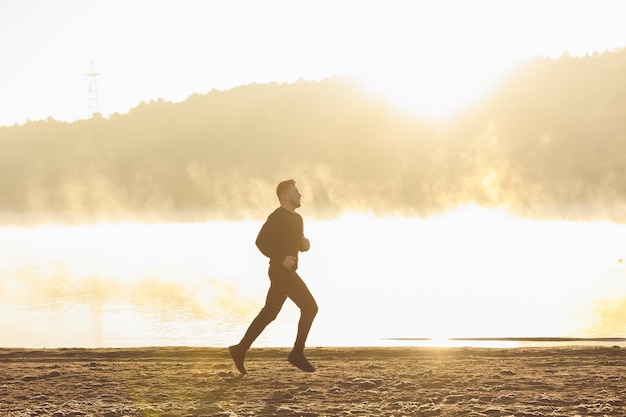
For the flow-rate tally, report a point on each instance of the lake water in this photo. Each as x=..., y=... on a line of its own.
x=470, y=273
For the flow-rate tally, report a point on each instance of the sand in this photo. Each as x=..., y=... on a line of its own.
x=562, y=381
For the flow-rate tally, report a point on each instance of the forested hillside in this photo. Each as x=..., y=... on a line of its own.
x=548, y=142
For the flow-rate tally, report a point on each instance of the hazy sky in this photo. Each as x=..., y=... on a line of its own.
x=431, y=56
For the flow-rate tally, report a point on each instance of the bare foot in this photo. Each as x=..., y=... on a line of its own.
x=238, y=355
x=299, y=361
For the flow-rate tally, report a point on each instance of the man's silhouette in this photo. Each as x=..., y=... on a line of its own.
x=280, y=239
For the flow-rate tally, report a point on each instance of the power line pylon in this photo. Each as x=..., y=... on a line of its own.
x=93, y=106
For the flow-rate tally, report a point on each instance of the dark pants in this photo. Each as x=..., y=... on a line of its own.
x=284, y=284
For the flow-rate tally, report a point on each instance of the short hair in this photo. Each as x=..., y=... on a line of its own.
x=284, y=186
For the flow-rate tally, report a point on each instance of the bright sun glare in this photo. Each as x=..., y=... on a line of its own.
x=436, y=89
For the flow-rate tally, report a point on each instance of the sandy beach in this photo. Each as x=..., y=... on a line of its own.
x=172, y=381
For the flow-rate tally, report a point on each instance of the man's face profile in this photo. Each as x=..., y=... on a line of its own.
x=292, y=196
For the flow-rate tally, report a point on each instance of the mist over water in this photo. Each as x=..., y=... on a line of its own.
x=473, y=272
x=548, y=142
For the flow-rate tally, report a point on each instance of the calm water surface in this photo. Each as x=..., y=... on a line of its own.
x=471, y=273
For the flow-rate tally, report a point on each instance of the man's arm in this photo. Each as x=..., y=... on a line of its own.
x=266, y=240
x=270, y=240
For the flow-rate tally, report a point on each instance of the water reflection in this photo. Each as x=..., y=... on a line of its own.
x=463, y=275
x=94, y=311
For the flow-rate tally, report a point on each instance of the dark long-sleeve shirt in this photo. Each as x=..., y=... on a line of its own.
x=281, y=235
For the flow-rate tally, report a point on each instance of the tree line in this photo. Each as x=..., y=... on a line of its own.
x=548, y=142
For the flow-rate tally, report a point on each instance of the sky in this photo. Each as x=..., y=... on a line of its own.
x=431, y=57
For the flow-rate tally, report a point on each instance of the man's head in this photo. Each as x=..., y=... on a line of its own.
x=288, y=194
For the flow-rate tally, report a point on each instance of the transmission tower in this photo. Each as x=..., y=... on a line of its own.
x=93, y=107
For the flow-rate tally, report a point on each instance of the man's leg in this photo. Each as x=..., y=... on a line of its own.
x=273, y=304
x=299, y=293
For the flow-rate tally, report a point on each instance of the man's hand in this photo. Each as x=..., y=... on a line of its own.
x=305, y=244
x=289, y=262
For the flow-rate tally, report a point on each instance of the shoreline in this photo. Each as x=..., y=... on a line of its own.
x=217, y=352
x=258, y=354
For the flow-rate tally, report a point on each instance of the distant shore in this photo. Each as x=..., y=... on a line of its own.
x=540, y=339
x=380, y=381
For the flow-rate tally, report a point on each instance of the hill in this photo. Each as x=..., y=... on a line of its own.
x=549, y=142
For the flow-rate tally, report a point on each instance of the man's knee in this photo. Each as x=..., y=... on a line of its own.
x=269, y=314
x=310, y=310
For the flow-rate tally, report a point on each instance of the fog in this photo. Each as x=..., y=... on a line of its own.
x=548, y=142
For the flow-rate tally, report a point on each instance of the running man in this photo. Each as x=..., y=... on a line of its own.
x=280, y=239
